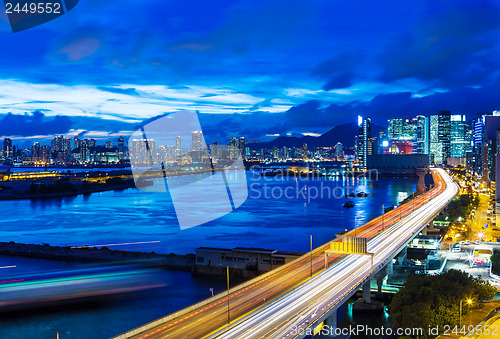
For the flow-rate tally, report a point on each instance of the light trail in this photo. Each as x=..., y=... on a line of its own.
x=290, y=284
x=303, y=306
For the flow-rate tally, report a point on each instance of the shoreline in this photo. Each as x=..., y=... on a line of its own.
x=96, y=255
x=55, y=195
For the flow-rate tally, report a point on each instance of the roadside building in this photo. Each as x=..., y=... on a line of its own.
x=253, y=259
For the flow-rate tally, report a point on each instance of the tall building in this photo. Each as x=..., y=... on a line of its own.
x=36, y=152
x=305, y=152
x=482, y=162
x=214, y=152
x=242, y=147
x=395, y=129
x=422, y=135
x=8, y=150
x=109, y=144
x=234, y=148
x=440, y=137
x=196, y=146
x=409, y=130
x=121, y=148
x=178, y=146
x=365, y=134
x=60, y=144
x=407, y=136
x=434, y=145
x=339, y=151
x=76, y=141
x=460, y=133
x=143, y=151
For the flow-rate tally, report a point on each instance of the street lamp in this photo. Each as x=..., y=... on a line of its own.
x=228, y=314
x=311, y=251
x=355, y=224
x=311, y=254
x=383, y=215
x=469, y=302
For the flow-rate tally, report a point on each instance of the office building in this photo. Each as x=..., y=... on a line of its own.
x=339, y=151
x=422, y=135
x=482, y=162
x=196, y=146
x=364, y=143
x=8, y=150
x=459, y=137
x=121, y=149
x=440, y=137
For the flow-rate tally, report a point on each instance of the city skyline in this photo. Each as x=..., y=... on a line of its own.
x=247, y=78
x=442, y=136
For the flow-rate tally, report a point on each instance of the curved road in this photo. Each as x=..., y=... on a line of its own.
x=254, y=297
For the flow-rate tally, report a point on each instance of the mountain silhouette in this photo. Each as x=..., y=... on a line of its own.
x=342, y=133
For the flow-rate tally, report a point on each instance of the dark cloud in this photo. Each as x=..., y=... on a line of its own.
x=345, y=60
x=33, y=124
x=453, y=44
x=337, y=81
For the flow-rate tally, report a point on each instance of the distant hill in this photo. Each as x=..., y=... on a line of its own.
x=342, y=133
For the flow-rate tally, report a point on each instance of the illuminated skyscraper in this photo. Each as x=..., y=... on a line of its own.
x=339, y=151
x=395, y=129
x=422, y=135
x=196, y=145
x=76, y=141
x=121, y=148
x=459, y=136
x=440, y=137
x=365, y=133
x=178, y=146
x=234, y=147
x=8, y=151
x=242, y=147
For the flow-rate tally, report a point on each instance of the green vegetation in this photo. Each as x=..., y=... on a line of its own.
x=428, y=301
x=459, y=208
x=495, y=263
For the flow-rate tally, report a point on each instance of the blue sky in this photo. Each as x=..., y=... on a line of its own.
x=252, y=68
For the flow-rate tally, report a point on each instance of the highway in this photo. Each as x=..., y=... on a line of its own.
x=307, y=303
x=287, y=296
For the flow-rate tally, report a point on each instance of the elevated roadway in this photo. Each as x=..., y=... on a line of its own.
x=286, y=300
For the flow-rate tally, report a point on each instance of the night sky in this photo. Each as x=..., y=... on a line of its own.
x=253, y=68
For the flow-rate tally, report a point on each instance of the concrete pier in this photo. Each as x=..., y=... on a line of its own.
x=331, y=323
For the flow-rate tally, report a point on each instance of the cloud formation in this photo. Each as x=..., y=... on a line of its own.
x=253, y=68
x=31, y=124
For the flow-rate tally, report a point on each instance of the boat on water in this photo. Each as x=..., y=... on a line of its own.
x=349, y=204
x=362, y=194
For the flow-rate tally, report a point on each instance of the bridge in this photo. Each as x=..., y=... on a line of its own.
x=284, y=302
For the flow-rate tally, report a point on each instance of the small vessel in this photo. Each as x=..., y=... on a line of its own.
x=349, y=204
x=362, y=195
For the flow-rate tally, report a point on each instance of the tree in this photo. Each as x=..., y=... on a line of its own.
x=429, y=301
x=495, y=263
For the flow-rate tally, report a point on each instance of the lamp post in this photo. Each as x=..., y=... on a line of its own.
x=355, y=218
x=383, y=216
x=228, y=316
x=469, y=302
x=311, y=254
